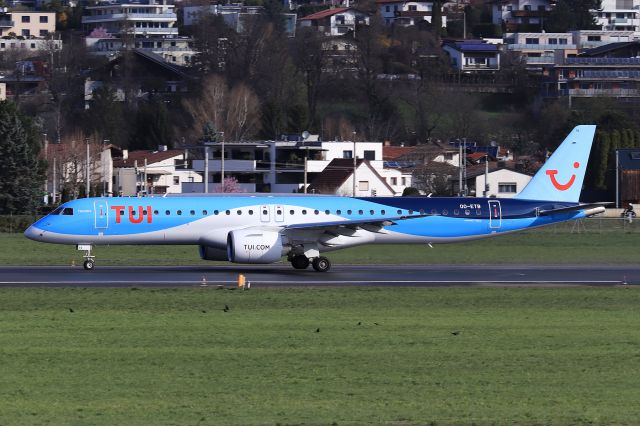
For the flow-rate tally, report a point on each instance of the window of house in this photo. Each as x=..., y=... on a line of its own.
x=507, y=188
x=553, y=41
x=370, y=155
x=413, y=8
x=541, y=8
x=44, y=19
x=44, y=33
x=33, y=45
x=593, y=38
x=363, y=185
x=448, y=156
x=387, y=9
x=532, y=40
x=26, y=33
x=527, y=7
x=176, y=180
x=395, y=8
x=347, y=154
x=404, y=181
x=394, y=181
x=26, y=19
x=562, y=41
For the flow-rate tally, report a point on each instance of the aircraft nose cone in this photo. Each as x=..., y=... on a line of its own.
x=34, y=233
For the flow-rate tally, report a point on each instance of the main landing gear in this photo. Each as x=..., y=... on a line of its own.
x=320, y=263
x=89, y=260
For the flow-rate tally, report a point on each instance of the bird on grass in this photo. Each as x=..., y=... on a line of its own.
x=203, y=311
x=455, y=333
x=71, y=310
x=359, y=323
x=226, y=308
x=317, y=330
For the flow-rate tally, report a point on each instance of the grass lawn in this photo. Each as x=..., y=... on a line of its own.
x=381, y=356
x=599, y=241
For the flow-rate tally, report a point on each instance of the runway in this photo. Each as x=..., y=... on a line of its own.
x=281, y=275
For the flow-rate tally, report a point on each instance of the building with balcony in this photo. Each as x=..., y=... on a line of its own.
x=405, y=13
x=610, y=71
x=588, y=39
x=472, y=56
x=618, y=15
x=539, y=49
x=139, y=19
x=235, y=15
x=520, y=15
x=174, y=50
x=27, y=24
x=336, y=21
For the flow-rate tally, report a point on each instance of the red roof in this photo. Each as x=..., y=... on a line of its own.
x=392, y=152
x=324, y=13
x=475, y=156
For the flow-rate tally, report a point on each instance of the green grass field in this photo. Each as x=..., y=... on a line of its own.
x=381, y=356
x=598, y=241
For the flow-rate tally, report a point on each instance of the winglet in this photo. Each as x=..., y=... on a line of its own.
x=561, y=177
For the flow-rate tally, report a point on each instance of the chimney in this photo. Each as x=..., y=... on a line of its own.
x=125, y=154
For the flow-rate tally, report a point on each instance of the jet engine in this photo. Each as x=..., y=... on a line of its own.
x=254, y=246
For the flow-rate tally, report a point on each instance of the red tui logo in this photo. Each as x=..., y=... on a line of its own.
x=133, y=218
x=562, y=186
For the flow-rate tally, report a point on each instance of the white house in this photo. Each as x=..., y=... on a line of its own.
x=405, y=13
x=336, y=21
x=616, y=15
x=520, y=15
x=472, y=55
x=501, y=182
x=540, y=48
x=152, y=172
x=338, y=178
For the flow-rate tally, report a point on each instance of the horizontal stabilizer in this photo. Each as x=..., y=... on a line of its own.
x=589, y=206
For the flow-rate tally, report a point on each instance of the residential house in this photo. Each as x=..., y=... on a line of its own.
x=520, y=15
x=174, y=50
x=472, y=56
x=539, y=49
x=336, y=21
x=152, y=172
x=587, y=39
x=501, y=181
x=338, y=178
x=236, y=15
x=618, y=15
x=406, y=12
x=26, y=23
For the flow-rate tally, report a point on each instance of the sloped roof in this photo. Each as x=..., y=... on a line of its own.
x=471, y=46
x=151, y=157
x=337, y=172
x=479, y=169
x=324, y=14
x=629, y=159
x=596, y=51
x=393, y=152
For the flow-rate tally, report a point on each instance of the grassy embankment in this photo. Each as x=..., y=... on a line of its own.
x=599, y=241
x=381, y=356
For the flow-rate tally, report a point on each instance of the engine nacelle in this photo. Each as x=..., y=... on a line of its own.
x=254, y=246
x=213, y=253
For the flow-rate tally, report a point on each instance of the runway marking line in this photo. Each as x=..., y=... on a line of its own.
x=330, y=282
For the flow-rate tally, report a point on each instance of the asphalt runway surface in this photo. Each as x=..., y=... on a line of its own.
x=282, y=275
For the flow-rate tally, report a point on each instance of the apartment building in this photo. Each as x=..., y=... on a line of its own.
x=520, y=15
x=539, y=49
x=472, y=56
x=336, y=21
x=618, y=15
x=236, y=15
x=140, y=19
x=404, y=13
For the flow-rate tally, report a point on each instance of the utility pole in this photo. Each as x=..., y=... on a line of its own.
x=486, y=176
x=88, y=178
x=617, y=179
x=355, y=164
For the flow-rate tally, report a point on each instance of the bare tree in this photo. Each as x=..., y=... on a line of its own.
x=243, y=112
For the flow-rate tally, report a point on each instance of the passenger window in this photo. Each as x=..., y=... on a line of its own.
x=265, y=212
x=167, y=212
x=399, y=211
x=316, y=212
x=410, y=211
x=68, y=211
x=360, y=212
x=382, y=212
x=456, y=212
x=338, y=211
x=467, y=212
x=348, y=211
x=421, y=211
x=291, y=212
x=193, y=212
x=304, y=212
x=239, y=212
x=179, y=212
x=278, y=212
x=216, y=212
x=204, y=212
x=228, y=212
x=434, y=212
x=155, y=212
x=327, y=212
x=250, y=212
x=371, y=212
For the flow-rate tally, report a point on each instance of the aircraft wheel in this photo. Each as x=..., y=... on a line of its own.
x=300, y=262
x=321, y=264
x=89, y=265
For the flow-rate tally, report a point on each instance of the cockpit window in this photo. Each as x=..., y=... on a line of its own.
x=68, y=211
x=56, y=211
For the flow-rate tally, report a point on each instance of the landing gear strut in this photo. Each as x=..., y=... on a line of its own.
x=321, y=264
x=89, y=260
x=300, y=261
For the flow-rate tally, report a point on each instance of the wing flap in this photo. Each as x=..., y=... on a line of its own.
x=353, y=224
x=589, y=206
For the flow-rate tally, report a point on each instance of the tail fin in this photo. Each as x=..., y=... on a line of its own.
x=561, y=177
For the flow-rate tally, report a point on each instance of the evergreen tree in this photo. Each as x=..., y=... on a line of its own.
x=602, y=153
x=21, y=173
x=571, y=15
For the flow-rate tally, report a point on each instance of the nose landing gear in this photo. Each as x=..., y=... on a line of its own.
x=89, y=260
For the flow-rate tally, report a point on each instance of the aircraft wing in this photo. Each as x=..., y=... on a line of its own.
x=358, y=223
x=587, y=206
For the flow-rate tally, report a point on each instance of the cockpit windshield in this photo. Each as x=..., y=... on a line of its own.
x=65, y=211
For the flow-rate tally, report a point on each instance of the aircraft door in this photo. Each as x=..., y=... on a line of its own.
x=495, y=214
x=101, y=210
x=264, y=214
x=279, y=213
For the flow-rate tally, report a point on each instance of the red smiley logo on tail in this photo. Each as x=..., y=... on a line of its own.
x=560, y=186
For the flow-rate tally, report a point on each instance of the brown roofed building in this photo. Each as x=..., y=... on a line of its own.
x=337, y=178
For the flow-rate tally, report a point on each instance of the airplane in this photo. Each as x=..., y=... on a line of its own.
x=262, y=228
